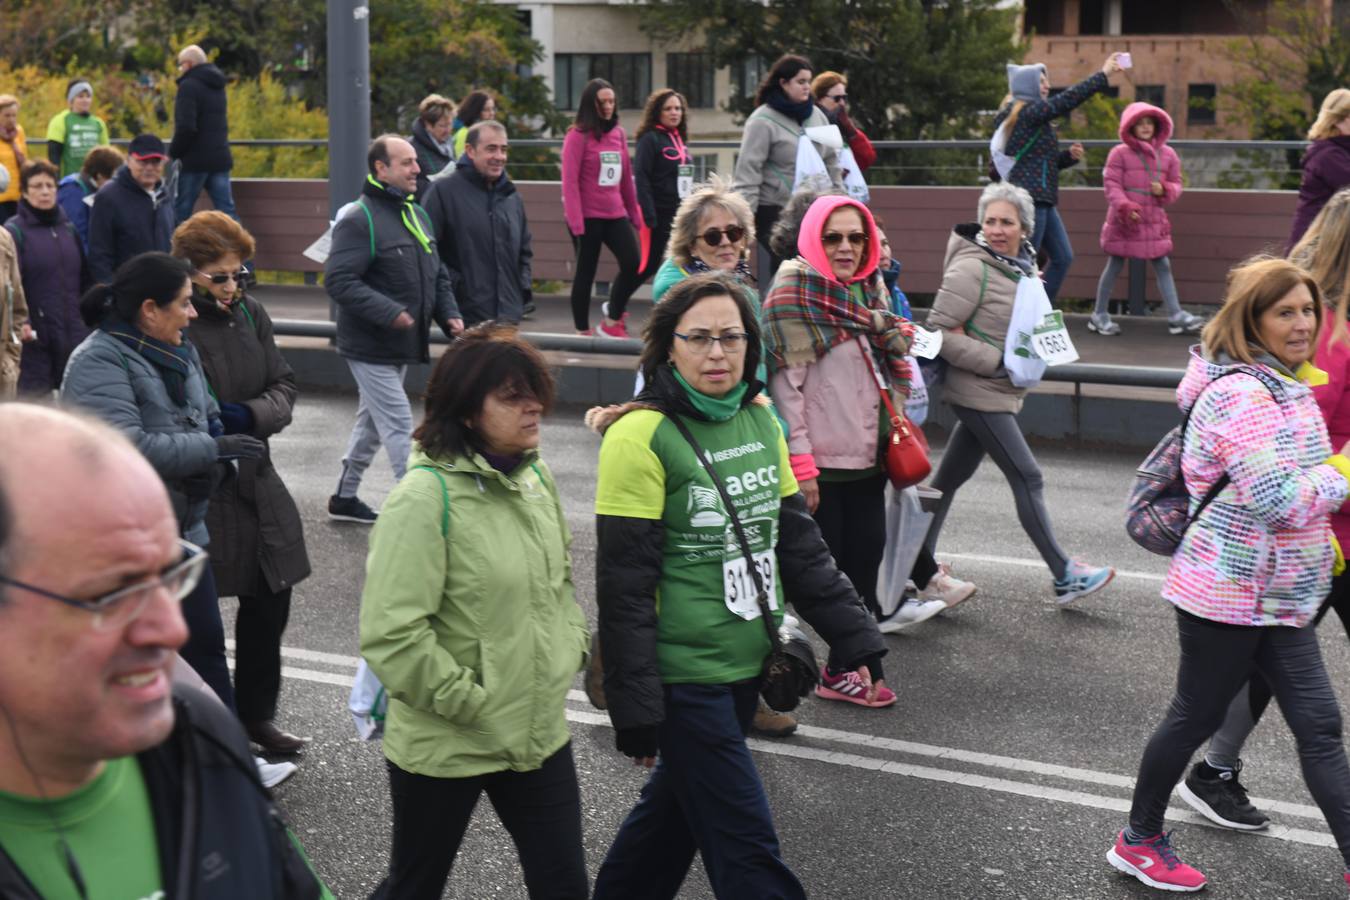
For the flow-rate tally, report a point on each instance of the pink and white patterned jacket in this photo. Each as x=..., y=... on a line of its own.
x=1261, y=553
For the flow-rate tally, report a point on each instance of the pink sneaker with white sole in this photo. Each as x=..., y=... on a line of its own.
x=1155, y=863
x=849, y=687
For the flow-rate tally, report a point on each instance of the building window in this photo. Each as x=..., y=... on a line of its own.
x=1200, y=104
x=746, y=75
x=705, y=164
x=692, y=75
x=630, y=73
x=1155, y=94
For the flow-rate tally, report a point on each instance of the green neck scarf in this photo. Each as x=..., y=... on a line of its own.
x=715, y=409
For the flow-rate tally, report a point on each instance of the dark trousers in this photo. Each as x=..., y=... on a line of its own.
x=205, y=647
x=765, y=217
x=257, y=652
x=656, y=253
x=1216, y=660
x=852, y=520
x=619, y=237
x=540, y=809
x=925, y=567
x=704, y=795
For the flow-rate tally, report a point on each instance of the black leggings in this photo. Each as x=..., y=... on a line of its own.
x=258, y=629
x=1216, y=660
x=619, y=237
x=541, y=810
x=765, y=218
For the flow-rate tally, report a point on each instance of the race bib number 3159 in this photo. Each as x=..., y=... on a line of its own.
x=738, y=583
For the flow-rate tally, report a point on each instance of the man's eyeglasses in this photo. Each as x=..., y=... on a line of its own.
x=122, y=606
x=713, y=236
x=834, y=238
x=701, y=342
x=240, y=277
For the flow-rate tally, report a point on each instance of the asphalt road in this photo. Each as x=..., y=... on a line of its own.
x=1003, y=771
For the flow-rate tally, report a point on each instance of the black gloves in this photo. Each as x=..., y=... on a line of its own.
x=239, y=446
x=639, y=743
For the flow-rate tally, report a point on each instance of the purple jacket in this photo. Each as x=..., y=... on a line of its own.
x=51, y=263
x=1326, y=169
x=1131, y=168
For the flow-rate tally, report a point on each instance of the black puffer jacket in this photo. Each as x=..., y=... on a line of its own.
x=430, y=158
x=1038, y=169
x=201, y=126
x=211, y=811
x=628, y=565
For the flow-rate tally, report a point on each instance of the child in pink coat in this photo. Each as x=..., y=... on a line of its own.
x=1141, y=178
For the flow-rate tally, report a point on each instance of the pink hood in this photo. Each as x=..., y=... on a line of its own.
x=813, y=228
x=1136, y=111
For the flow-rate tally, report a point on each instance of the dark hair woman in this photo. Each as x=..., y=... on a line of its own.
x=479, y=106
x=601, y=207
x=766, y=166
x=51, y=260
x=469, y=619
x=99, y=166
x=663, y=169
x=259, y=543
x=682, y=678
x=138, y=373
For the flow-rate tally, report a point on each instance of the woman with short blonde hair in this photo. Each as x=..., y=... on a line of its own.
x=686, y=229
x=432, y=138
x=1326, y=164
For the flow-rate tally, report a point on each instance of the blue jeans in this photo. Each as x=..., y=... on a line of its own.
x=217, y=186
x=1050, y=232
x=704, y=795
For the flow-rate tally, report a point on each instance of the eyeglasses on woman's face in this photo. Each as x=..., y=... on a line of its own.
x=701, y=342
x=834, y=238
x=713, y=236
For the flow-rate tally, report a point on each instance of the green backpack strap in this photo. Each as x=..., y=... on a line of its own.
x=1023, y=152
x=361, y=202
x=970, y=322
x=445, y=495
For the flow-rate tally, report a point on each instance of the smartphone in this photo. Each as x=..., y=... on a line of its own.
x=1125, y=61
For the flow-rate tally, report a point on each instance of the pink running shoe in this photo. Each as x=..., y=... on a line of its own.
x=617, y=330
x=849, y=687
x=1155, y=863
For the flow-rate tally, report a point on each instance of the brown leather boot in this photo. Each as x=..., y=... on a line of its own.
x=595, y=676
x=771, y=723
x=273, y=740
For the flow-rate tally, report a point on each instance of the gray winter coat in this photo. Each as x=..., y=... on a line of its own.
x=376, y=270
x=766, y=166
x=484, y=241
x=121, y=387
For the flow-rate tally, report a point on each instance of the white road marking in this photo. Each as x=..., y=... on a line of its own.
x=1177, y=811
x=1038, y=564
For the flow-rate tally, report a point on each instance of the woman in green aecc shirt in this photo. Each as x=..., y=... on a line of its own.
x=683, y=644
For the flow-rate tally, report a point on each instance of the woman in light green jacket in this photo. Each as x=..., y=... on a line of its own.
x=468, y=618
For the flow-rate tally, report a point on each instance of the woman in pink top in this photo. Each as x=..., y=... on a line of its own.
x=601, y=206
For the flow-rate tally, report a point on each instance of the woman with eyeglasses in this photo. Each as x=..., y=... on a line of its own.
x=683, y=633
x=138, y=373
x=663, y=169
x=831, y=342
x=257, y=541
x=974, y=306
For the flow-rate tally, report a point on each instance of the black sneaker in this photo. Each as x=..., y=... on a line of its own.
x=350, y=509
x=1222, y=800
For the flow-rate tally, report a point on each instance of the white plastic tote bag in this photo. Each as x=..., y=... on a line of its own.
x=906, y=528
x=916, y=404
x=854, y=184
x=810, y=167
x=368, y=703
x=1030, y=307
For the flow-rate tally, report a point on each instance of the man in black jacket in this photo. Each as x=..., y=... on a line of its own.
x=132, y=213
x=201, y=134
x=481, y=230
x=111, y=782
x=389, y=284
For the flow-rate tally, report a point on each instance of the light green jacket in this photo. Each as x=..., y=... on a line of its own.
x=475, y=635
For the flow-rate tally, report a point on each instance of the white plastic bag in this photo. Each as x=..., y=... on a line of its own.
x=916, y=404
x=1003, y=163
x=854, y=184
x=368, y=703
x=906, y=528
x=810, y=167
x=1030, y=307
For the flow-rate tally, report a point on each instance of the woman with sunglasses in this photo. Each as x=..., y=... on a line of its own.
x=830, y=90
x=258, y=544
x=974, y=306
x=710, y=232
x=831, y=342
x=662, y=169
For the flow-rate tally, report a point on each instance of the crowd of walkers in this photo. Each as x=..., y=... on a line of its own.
x=745, y=485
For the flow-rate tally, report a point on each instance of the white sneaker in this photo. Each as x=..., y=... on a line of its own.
x=273, y=774
x=945, y=588
x=910, y=613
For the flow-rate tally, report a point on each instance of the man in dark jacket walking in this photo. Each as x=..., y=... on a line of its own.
x=132, y=214
x=390, y=285
x=149, y=787
x=201, y=135
x=481, y=230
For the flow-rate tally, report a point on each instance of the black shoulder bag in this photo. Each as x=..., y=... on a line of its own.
x=791, y=670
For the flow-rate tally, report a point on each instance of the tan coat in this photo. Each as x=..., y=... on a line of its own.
x=13, y=316
x=977, y=296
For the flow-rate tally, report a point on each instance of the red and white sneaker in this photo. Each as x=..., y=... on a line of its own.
x=618, y=328
x=1155, y=863
x=849, y=687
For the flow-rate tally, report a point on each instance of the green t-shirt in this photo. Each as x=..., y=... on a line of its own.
x=708, y=628
x=110, y=830
x=77, y=136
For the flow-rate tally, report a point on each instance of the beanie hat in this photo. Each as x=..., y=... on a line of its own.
x=1024, y=82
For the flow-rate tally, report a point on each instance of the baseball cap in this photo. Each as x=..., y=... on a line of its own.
x=147, y=146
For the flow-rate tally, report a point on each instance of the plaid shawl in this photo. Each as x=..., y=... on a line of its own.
x=806, y=315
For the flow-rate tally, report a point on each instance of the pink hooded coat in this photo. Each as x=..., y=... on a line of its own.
x=1130, y=168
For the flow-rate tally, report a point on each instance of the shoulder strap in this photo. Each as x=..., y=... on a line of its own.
x=445, y=495
x=361, y=202
x=1223, y=480
x=763, y=595
x=1029, y=144
x=970, y=321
